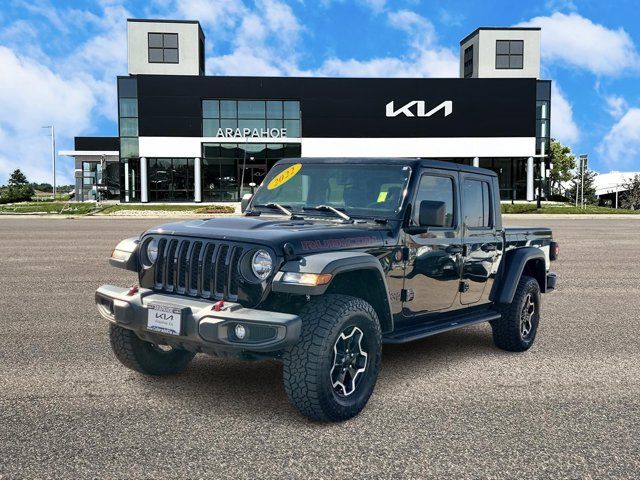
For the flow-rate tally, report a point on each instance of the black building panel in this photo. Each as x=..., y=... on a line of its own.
x=349, y=107
x=109, y=144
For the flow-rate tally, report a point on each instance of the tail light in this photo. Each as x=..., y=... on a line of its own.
x=554, y=251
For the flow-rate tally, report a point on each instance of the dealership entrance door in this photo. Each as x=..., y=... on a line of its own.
x=253, y=174
x=223, y=165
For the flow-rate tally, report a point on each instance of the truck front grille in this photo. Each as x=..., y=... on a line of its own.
x=198, y=268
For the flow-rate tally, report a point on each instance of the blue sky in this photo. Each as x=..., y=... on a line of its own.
x=59, y=60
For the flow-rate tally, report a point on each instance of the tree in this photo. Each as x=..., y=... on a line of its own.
x=590, y=197
x=17, y=179
x=563, y=162
x=18, y=189
x=631, y=197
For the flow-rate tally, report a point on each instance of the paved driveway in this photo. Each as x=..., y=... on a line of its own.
x=448, y=406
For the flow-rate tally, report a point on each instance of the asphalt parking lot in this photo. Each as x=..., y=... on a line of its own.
x=451, y=406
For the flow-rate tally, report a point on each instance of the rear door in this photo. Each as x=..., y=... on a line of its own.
x=479, y=236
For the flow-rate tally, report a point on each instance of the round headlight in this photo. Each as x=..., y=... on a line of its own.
x=152, y=250
x=261, y=264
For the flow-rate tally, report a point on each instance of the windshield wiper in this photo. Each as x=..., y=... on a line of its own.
x=277, y=206
x=328, y=208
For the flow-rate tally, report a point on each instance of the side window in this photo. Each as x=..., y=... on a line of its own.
x=439, y=189
x=476, y=204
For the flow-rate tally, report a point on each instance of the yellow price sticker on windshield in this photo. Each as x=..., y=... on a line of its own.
x=284, y=176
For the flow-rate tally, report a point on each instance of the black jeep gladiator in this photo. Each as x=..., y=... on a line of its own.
x=331, y=259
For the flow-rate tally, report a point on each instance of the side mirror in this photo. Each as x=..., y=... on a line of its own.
x=432, y=213
x=244, y=203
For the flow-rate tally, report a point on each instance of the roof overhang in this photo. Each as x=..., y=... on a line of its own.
x=88, y=153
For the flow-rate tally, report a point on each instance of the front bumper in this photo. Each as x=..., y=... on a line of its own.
x=203, y=329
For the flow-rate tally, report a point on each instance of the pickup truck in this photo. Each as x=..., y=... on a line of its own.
x=331, y=259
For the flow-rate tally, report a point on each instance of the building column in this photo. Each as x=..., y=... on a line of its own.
x=543, y=178
x=530, y=192
x=144, y=181
x=197, y=177
x=476, y=161
x=126, y=181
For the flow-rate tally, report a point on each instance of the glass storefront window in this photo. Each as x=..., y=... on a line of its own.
x=128, y=127
x=251, y=109
x=260, y=115
x=251, y=124
x=274, y=109
x=128, y=147
x=541, y=128
x=225, y=166
x=542, y=109
x=292, y=110
x=228, y=109
x=128, y=107
x=210, y=108
x=293, y=128
x=171, y=179
x=229, y=123
x=210, y=127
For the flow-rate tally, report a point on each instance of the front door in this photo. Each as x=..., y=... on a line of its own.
x=433, y=268
x=252, y=174
x=479, y=237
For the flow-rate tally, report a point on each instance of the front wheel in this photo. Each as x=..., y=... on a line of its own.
x=331, y=372
x=516, y=330
x=145, y=357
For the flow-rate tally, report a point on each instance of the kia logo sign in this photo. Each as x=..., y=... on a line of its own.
x=408, y=109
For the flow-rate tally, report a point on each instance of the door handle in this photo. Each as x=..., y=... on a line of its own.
x=488, y=247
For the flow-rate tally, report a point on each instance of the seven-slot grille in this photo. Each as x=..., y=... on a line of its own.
x=198, y=268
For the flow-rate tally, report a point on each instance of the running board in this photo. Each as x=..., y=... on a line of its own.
x=422, y=330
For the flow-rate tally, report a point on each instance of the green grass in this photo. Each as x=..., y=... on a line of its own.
x=48, y=197
x=170, y=208
x=563, y=209
x=64, y=208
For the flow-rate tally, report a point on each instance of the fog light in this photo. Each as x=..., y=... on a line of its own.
x=241, y=332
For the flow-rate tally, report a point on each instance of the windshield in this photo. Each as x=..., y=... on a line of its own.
x=366, y=190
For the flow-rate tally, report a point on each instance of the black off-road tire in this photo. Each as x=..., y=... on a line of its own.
x=308, y=365
x=144, y=357
x=508, y=330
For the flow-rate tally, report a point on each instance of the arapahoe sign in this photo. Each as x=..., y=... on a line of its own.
x=252, y=132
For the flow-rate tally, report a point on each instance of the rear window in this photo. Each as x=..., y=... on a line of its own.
x=476, y=204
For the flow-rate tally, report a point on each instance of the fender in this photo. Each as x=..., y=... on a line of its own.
x=512, y=266
x=125, y=255
x=336, y=263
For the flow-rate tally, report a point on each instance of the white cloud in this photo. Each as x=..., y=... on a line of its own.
x=620, y=147
x=32, y=95
x=218, y=16
x=376, y=6
x=616, y=105
x=563, y=127
x=575, y=41
x=425, y=58
x=73, y=91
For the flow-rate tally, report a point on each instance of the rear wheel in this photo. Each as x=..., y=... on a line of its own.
x=145, y=357
x=331, y=372
x=516, y=330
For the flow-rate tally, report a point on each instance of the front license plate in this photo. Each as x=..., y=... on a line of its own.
x=164, y=319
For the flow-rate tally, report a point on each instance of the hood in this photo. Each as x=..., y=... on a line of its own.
x=306, y=236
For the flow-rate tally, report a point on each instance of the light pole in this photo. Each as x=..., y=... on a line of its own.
x=53, y=156
x=583, y=167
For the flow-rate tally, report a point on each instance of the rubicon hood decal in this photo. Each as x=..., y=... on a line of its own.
x=348, y=242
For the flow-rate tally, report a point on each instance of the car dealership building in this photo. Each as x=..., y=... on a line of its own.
x=184, y=136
